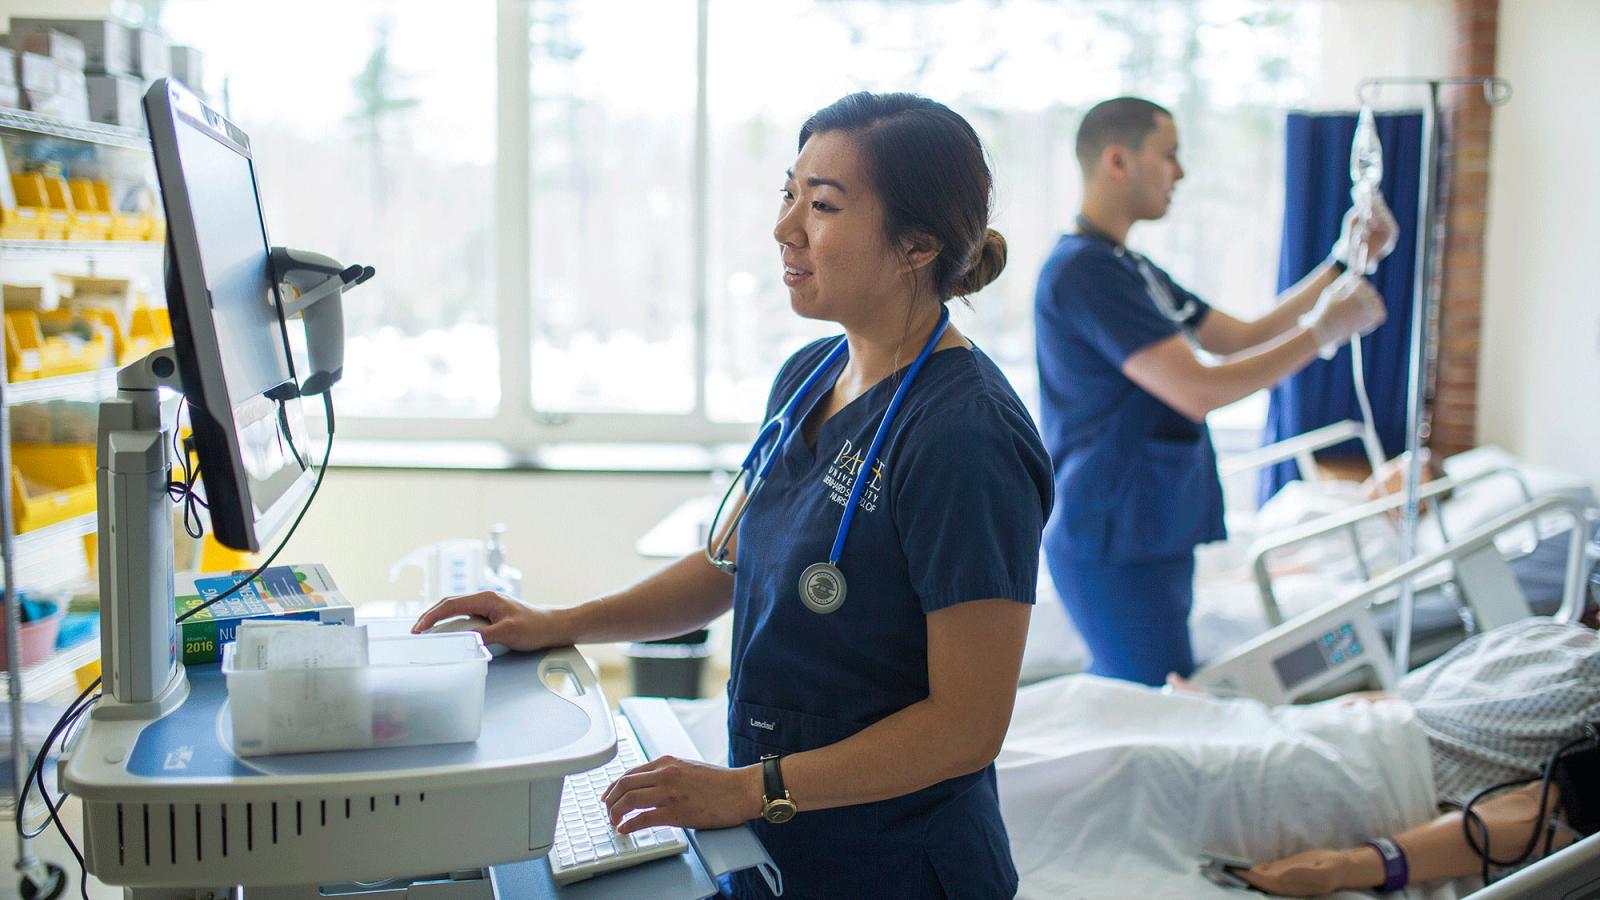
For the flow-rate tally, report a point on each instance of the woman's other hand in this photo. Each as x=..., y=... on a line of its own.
x=511, y=622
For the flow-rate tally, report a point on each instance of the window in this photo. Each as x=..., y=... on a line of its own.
x=612, y=134
x=373, y=130
x=626, y=159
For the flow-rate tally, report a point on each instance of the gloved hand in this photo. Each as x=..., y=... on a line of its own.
x=1378, y=233
x=1347, y=308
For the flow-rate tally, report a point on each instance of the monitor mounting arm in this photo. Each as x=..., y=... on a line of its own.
x=138, y=637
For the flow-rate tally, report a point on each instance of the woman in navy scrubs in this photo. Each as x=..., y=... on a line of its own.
x=880, y=717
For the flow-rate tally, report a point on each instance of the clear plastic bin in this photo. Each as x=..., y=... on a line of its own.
x=416, y=689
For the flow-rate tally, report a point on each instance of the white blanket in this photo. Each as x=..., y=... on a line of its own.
x=1113, y=790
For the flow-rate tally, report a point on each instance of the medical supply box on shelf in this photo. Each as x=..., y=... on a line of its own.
x=415, y=689
x=302, y=592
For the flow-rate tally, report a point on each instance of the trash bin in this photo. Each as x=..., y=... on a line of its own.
x=670, y=667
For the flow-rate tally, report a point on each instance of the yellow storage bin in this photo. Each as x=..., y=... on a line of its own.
x=20, y=224
x=84, y=196
x=51, y=483
x=87, y=673
x=47, y=197
x=29, y=188
x=89, y=226
x=147, y=330
x=216, y=558
x=43, y=345
x=56, y=192
x=126, y=226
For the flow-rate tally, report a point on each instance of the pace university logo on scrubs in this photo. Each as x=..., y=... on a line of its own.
x=841, y=477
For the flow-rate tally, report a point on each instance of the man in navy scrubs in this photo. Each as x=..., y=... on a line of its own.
x=1124, y=396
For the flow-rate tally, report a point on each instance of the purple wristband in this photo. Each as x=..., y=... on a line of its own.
x=1396, y=873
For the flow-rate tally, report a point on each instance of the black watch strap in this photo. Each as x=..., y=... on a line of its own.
x=771, y=778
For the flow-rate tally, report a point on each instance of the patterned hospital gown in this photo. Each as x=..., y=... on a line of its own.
x=1495, y=707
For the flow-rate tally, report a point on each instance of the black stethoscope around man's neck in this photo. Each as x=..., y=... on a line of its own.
x=1154, y=284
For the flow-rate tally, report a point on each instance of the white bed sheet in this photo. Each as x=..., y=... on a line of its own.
x=1112, y=790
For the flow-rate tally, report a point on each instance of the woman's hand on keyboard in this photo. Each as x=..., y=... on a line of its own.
x=685, y=793
x=511, y=622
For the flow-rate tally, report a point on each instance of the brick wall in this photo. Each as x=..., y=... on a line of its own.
x=1464, y=200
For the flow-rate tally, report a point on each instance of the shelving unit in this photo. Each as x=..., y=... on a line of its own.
x=36, y=559
x=84, y=132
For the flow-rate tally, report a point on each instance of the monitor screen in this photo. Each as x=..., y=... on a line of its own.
x=233, y=254
x=229, y=335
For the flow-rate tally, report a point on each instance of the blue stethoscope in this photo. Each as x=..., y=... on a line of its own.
x=822, y=585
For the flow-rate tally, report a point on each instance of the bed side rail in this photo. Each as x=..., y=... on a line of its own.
x=1571, y=873
x=1350, y=521
x=1298, y=448
x=1313, y=651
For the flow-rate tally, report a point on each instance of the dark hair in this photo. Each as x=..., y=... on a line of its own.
x=927, y=164
x=1122, y=120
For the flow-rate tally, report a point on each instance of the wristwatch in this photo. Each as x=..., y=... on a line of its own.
x=776, y=807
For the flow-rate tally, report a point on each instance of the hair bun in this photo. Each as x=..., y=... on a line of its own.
x=986, y=265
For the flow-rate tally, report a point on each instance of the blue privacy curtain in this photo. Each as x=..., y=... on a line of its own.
x=1316, y=195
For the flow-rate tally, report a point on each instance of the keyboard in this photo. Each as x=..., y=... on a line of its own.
x=586, y=845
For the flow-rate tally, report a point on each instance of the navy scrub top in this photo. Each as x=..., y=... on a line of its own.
x=1135, y=479
x=953, y=511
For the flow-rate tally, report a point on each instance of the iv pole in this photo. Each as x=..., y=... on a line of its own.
x=1496, y=91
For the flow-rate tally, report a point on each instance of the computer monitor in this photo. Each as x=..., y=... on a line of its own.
x=228, y=326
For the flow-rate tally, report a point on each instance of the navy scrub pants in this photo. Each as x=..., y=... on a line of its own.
x=1134, y=617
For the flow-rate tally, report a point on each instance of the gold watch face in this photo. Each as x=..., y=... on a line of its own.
x=779, y=811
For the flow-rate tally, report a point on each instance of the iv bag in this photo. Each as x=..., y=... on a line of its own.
x=1366, y=156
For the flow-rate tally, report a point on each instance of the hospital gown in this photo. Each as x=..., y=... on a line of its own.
x=1495, y=707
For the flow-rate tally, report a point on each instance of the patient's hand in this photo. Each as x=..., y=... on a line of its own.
x=1361, y=697
x=1317, y=873
x=1182, y=685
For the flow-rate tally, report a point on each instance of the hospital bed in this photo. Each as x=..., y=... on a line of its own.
x=1064, y=810
x=1339, y=647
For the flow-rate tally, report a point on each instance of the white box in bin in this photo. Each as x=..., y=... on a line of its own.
x=65, y=49
x=107, y=44
x=188, y=66
x=415, y=689
x=37, y=73
x=150, y=59
x=114, y=100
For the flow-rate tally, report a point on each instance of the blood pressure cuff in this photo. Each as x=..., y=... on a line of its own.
x=1577, y=774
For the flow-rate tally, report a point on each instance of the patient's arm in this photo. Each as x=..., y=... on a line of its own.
x=1434, y=851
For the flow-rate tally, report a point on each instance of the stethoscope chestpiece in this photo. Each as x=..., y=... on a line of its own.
x=822, y=587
